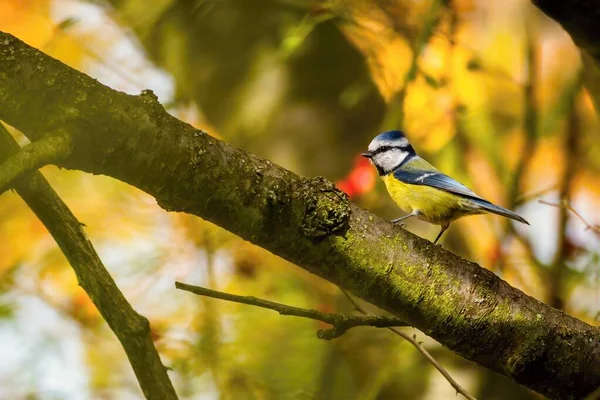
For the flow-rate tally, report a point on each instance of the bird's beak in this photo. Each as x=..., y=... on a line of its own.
x=367, y=154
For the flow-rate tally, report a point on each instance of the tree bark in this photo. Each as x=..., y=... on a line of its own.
x=306, y=221
x=131, y=328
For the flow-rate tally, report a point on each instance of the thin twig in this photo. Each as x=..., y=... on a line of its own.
x=132, y=329
x=33, y=156
x=566, y=205
x=412, y=340
x=341, y=322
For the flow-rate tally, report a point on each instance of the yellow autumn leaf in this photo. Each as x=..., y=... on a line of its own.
x=387, y=53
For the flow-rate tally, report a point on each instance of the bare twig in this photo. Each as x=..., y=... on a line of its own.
x=33, y=156
x=566, y=205
x=341, y=322
x=132, y=329
x=412, y=340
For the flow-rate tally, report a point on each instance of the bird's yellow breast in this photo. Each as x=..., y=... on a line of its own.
x=436, y=206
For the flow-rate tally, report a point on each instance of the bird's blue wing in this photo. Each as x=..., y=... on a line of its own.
x=420, y=172
x=434, y=179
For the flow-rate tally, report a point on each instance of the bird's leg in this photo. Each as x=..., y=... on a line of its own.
x=444, y=227
x=412, y=214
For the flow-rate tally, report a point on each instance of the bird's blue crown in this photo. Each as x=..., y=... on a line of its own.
x=388, y=139
x=391, y=135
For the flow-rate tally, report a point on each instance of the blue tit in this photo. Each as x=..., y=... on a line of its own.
x=420, y=189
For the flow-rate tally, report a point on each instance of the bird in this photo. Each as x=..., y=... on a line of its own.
x=420, y=189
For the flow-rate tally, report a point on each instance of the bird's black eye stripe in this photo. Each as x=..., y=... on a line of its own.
x=386, y=148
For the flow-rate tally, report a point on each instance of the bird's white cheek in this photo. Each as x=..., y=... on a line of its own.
x=390, y=159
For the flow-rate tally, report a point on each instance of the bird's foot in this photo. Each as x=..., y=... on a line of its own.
x=398, y=223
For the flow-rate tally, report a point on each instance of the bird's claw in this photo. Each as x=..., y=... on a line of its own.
x=400, y=224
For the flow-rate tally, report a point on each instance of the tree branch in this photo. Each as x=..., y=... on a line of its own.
x=341, y=322
x=413, y=340
x=306, y=221
x=132, y=329
x=33, y=156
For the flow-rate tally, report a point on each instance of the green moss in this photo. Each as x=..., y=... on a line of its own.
x=327, y=209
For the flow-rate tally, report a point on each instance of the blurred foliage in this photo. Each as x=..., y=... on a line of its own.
x=305, y=83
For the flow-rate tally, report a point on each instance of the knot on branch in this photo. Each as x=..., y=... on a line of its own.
x=148, y=94
x=332, y=333
x=327, y=209
x=155, y=109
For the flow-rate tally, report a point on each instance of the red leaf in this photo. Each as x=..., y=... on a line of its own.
x=360, y=180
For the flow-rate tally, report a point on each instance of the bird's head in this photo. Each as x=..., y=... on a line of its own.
x=388, y=150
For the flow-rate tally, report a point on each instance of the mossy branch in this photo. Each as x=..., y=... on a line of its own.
x=306, y=221
x=340, y=322
x=35, y=155
x=132, y=329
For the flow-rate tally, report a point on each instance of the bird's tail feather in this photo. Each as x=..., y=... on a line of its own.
x=501, y=211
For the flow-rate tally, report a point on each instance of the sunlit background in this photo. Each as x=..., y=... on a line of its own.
x=488, y=91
